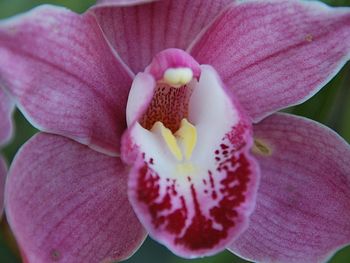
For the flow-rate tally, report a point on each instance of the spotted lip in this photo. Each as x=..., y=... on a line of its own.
x=193, y=195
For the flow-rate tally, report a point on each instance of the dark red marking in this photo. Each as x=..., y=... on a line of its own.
x=237, y=136
x=233, y=194
x=176, y=220
x=211, y=180
x=168, y=105
x=173, y=189
x=201, y=233
x=148, y=193
x=228, y=192
x=223, y=146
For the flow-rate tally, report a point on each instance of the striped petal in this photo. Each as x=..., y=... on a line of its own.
x=109, y=3
x=274, y=54
x=64, y=76
x=303, y=204
x=140, y=32
x=68, y=203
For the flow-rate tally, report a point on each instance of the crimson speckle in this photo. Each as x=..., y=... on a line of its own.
x=168, y=106
x=174, y=205
x=223, y=146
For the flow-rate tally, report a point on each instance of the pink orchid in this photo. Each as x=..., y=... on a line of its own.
x=6, y=108
x=146, y=112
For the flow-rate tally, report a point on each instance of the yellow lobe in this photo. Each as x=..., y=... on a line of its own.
x=187, y=135
x=185, y=168
x=177, y=77
x=169, y=139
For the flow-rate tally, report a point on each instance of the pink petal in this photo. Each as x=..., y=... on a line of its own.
x=64, y=76
x=172, y=58
x=6, y=109
x=140, y=32
x=3, y=171
x=303, y=204
x=196, y=204
x=122, y=2
x=68, y=203
x=274, y=54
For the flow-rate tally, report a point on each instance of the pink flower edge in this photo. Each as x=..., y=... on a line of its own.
x=275, y=54
x=67, y=202
x=6, y=111
x=37, y=69
x=303, y=209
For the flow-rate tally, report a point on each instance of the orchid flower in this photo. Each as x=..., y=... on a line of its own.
x=158, y=117
x=6, y=109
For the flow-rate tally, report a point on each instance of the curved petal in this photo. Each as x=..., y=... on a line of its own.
x=66, y=202
x=3, y=171
x=142, y=90
x=6, y=109
x=140, y=32
x=110, y=3
x=64, y=76
x=194, y=189
x=303, y=204
x=274, y=54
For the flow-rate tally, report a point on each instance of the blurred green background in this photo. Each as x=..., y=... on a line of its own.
x=331, y=106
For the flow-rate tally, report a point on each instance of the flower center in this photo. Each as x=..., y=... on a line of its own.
x=188, y=145
x=182, y=142
x=175, y=74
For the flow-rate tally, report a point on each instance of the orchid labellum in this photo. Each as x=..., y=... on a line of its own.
x=159, y=117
